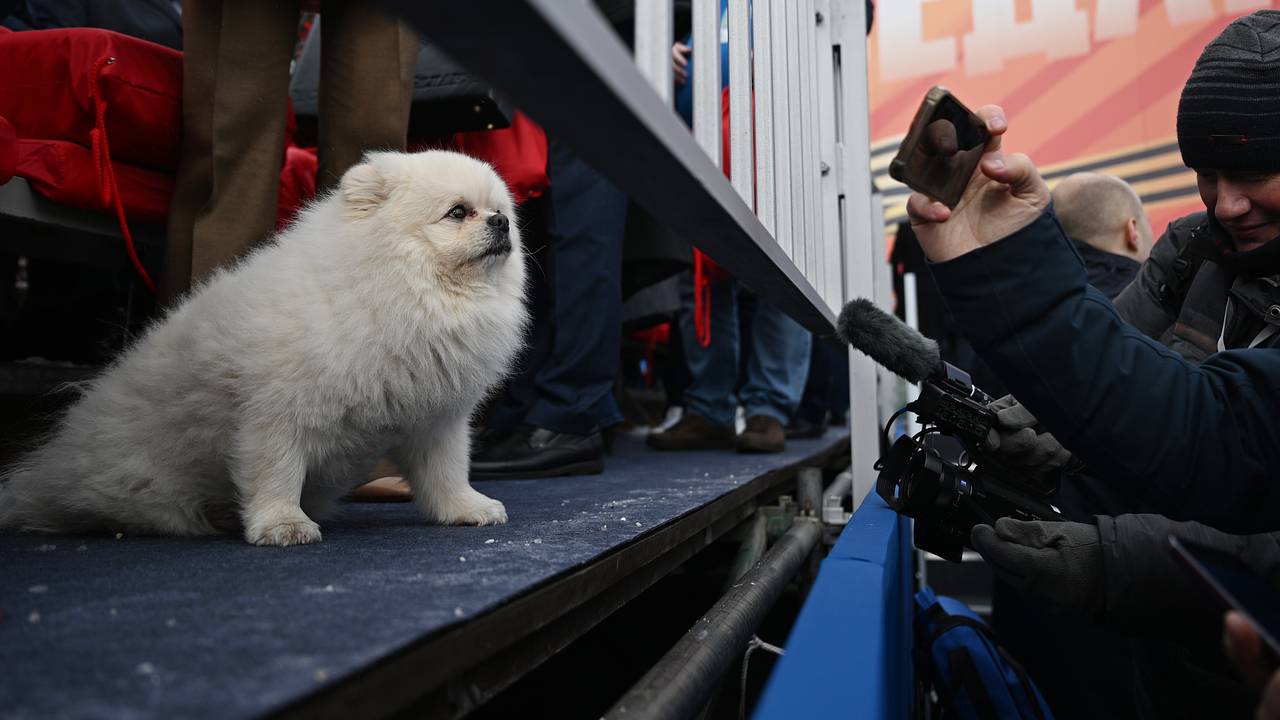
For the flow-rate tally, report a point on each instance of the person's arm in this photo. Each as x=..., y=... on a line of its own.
x=1204, y=440
x=1121, y=570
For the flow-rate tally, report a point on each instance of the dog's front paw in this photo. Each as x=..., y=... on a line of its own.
x=470, y=508
x=301, y=531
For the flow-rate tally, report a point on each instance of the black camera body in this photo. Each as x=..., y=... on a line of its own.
x=947, y=496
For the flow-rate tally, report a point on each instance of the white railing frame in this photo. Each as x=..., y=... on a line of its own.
x=810, y=184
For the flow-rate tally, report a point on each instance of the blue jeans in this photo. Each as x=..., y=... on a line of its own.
x=777, y=359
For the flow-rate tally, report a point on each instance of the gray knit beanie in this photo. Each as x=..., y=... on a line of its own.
x=1229, y=113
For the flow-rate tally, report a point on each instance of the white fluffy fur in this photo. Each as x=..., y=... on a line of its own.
x=374, y=324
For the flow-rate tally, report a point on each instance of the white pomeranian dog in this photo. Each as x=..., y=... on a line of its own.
x=373, y=325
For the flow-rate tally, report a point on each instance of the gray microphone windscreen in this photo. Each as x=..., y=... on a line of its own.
x=888, y=340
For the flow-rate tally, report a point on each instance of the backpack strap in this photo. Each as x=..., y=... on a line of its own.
x=1191, y=256
x=968, y=679
x=1024, y=680
x=965, y=671
x=942, y=622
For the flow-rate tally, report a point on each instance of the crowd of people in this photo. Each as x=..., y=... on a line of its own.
x=1166, y=393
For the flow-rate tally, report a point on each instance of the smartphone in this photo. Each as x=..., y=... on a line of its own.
x=942, y=148
x=1236, y=587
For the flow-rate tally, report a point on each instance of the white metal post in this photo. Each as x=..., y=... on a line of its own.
x=805, y=32
x=741, y=172
x=911, y=313
x=849, y=29
x=706, y=77
x=653, y=44
x=829, y=283
x=762, y=81
x=782, y=125
x=795, y=112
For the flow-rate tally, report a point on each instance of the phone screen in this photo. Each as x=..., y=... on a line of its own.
x=942, y=150
x=1237, y=586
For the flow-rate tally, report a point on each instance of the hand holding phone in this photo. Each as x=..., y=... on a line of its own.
x=942, y=148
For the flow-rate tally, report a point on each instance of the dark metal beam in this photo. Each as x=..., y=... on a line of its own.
x=563, y=65
x=683, y=681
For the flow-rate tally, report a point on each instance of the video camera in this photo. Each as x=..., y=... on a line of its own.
x=946, y=490
x=947, y=496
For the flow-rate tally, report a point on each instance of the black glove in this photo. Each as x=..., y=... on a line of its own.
x=1147, y=584
x=1015, y=441
x=1060, y=562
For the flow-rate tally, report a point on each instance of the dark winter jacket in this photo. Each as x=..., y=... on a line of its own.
x=159, y=21
x=1181, y=295
x=1109, y=272
x=1196, y=442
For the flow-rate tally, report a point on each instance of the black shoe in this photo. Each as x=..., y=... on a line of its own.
x=801, y=427
x=484, y=439
x=534, y=452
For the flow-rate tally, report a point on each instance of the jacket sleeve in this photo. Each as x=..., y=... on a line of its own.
x=1139, y=304
x=1198, y=442
x=1145, y=584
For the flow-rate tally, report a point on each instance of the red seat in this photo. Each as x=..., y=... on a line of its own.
x=8, y=151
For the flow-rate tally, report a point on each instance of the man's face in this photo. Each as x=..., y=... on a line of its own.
x=1247, y=204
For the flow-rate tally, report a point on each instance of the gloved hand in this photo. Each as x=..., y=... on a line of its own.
x=1015, y=440
x=1060, y=562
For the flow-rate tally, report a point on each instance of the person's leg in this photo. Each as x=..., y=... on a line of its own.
x=367, y=61
x=193, y=181
x=776, y=373
x=714, y=368
x=575, y=378
x=810, y=419
x=236, y=83
x=587, y=215
x=710, y=404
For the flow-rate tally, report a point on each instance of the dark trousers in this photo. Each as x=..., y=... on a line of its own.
x=566, y=377
x=826, y=392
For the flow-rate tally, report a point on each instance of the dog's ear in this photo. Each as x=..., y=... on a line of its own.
x=364, y=188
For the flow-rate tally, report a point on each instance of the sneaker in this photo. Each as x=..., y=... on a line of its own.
x=693, y=432
x=673, y=416
x=764, y=434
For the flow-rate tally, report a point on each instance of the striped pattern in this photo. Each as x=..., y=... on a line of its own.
x=1156, y=172
x=1111, y=110
x=1233, y=93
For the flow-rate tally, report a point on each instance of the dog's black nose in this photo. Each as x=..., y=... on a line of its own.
x=498, y=221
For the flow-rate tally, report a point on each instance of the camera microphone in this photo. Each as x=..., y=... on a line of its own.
x=887, y=340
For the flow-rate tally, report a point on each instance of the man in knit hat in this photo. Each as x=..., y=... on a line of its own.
x=1196, y=436
x=1213, y=282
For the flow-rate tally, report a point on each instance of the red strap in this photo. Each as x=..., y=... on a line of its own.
x=701, y=300
x=108, y=190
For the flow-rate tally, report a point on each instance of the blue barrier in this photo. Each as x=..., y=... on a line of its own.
x=849, y=654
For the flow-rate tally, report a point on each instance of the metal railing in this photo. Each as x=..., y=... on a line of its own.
x=796, y=225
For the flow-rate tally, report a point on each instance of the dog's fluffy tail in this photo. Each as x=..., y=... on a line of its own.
x=24, y=499
x=13, y=497
x=38, y=494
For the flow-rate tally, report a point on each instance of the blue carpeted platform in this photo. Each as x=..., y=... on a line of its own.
x=94, y=627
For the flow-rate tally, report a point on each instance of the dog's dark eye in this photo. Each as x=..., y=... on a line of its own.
x=458, y=212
